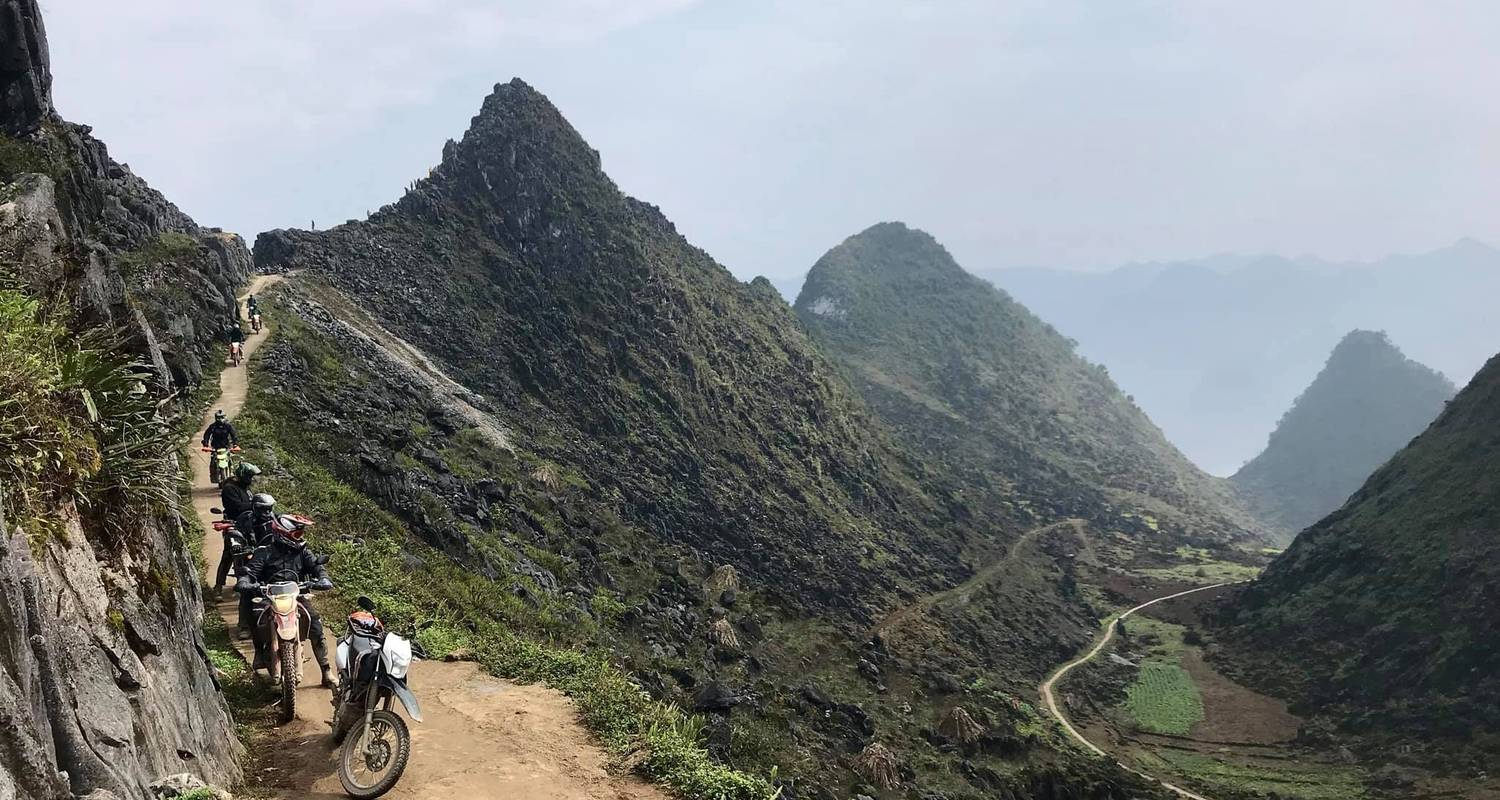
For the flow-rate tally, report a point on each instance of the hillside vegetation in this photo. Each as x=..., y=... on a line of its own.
x=973, y=381
x=1367, y=402
x=553, y=390
x=1381, y=616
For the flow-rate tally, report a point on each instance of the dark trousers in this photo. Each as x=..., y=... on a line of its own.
x=226, y=560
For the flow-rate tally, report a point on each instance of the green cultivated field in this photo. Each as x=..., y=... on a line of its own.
x=1164, y=699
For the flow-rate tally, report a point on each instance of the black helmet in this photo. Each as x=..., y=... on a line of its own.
x=219, y=416
x=262, y=502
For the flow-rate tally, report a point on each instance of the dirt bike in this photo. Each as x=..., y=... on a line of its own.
x=255, y=323
x=372, y=666
x=236, y=353
x=219, y=463
x=284, y=624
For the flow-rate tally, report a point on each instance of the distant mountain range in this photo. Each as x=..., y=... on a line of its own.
x=1216, y=349
x=1367, y=403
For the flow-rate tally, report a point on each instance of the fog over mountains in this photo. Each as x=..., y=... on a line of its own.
x=1261, y=328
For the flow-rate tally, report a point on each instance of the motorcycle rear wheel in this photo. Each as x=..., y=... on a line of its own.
x=385, y=756
x=289, y=670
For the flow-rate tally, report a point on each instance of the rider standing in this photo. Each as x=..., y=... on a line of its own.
x=256, y=525
x=235, y=497
x=220, y=433
x=288, y=559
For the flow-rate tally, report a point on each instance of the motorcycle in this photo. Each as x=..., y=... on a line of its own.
x=372, y=665
x=236, y=353
x=218, y=463
x=255, y=323
x=283, y=623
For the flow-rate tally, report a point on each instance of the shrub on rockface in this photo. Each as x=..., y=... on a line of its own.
x=77, y=422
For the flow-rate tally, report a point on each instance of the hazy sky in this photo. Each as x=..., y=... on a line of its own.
x=1057, y=132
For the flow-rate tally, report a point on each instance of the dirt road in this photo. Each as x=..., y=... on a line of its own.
x=896, y=619
x=481, y=737
x=1049, y=700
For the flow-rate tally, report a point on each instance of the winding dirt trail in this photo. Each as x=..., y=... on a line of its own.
x=1049, y=699
x=896, y=619
x=480, y=738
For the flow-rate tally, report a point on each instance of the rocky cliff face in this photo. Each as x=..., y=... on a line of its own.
x=970, y=378
x=1367, y=402
x=1381, y=616
x=25, y=73
x=104, y=684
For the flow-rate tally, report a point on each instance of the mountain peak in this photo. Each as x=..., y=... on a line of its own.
x=887, y=256
x=1367, y=401
x=519, y=147
x=947, y=357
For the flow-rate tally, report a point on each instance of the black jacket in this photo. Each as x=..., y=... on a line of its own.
x=235, y=498
x=220, y=434
x=281, y=563
x=255, y=527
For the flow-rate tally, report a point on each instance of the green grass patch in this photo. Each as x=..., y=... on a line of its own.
x=1305, y=782
x=167, y=248
x=1164, y=699
x=1201, y=567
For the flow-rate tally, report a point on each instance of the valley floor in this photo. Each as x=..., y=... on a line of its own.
x=481, y=737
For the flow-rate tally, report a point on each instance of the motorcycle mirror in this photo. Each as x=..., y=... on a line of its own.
x=216, y=511
x=365, y=603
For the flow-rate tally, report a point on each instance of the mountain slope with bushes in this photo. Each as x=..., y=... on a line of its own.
x=1381, y=616
x=562, y=398
x=974, y=381
x=1367, y=402
x=110, y=299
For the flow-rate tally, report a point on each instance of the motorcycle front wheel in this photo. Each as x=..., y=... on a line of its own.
x=372, y=759
x=290, y=669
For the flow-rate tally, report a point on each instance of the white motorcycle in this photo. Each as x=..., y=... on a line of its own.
x=372, y=666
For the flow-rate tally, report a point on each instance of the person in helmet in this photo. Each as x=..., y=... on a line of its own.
x=256, y=525
x=288, y=559
x=252, y=306
x=235, y=497
x=220, y=433
x=234, y=332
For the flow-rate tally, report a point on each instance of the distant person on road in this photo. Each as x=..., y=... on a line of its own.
x=233, y=332
x=252, y=306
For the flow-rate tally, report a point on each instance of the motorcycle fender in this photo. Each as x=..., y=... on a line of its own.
x=287, y=627
x=408, y=699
